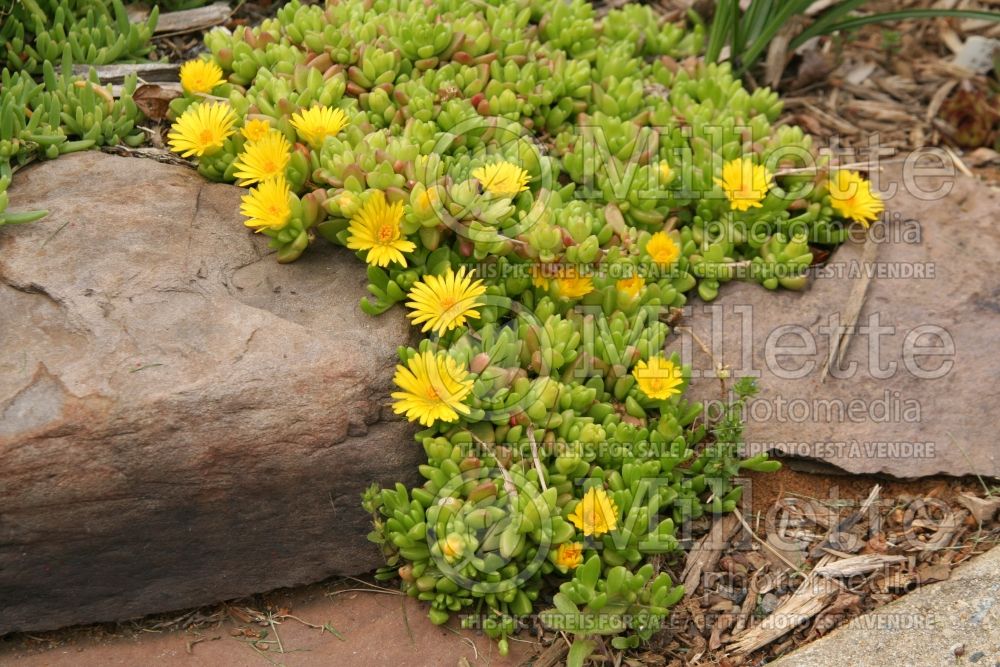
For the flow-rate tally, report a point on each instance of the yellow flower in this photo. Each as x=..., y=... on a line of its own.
x=572, y=286
x=433, y=388
x=267, y=205
x=745, y=183
x=662, y=249
x=452, y=546
x=596, y=514
x=659, y=379
x=444, y=303
x=254, y=130
x=852, y=197
x=263, y=159
x=426, y=201
x=502, y=178
x=569, y=556
x=539, y=276
x=202, y=129
x=317, y=123
x=632, y=285
x=666, y=173
x=375, y=228
x=200, y=76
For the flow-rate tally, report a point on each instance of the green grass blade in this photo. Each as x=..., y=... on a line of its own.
x=736, y=39
x=726, y=12
x=771, y=27
x=827, y=18
x=904, y=15
x=756, y=18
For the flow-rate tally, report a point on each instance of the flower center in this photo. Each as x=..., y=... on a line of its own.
x=386, y=233
x=206, y=137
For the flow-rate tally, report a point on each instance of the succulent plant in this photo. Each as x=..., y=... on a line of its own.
x=541, y=187
x=94, y=32
x=61, y=114
x=589, y=176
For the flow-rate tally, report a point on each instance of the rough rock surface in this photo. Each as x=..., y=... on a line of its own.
x=182, y=420
x=918, y=393
x=953, y=622
x=372, y=629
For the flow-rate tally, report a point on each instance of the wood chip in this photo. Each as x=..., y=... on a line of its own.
x=981, y=157
x=782, y=552
x=880, y=111
x=983, y=510
x=834, y=121
x=860, y=73
x=749, y=602
x=809, y=599
x=957, y=161
x=705, y=554
x=149, y=72
x=193, y=19
x=154, y=101
x=938, y=99
x=897, y=581
x=553, y=655
x=928, y=574
x=849, y=567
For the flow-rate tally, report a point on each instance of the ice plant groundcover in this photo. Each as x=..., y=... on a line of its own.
x=540, y=189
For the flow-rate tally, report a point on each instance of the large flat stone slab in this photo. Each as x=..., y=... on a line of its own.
x=182, y=420
x=916, y=392
x=953, y=622
x=373, y=628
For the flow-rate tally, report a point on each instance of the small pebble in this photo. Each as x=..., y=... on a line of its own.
x=769, y=603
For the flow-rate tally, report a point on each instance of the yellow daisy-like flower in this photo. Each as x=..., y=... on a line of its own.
x=200, y=76
x=596, y=514
x=502, y=179
x=202, y=129
x=433, y=388
x=317, y=123
x=375, y=228
x=263, y=159
x=632, y=285
x=662, y=249
x=852, y=197
x=745, y=183
x=539, y=276
x=659, y=378
x=572, y=286
x=569, y=556
x=444, y=303
x=267, y=206
x=254, y=130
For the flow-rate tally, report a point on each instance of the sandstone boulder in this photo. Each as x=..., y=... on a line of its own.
x=916, y=390
x=182, y=420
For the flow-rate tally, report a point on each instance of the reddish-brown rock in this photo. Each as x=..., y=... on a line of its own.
x=916, y=392
x=182, y=420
